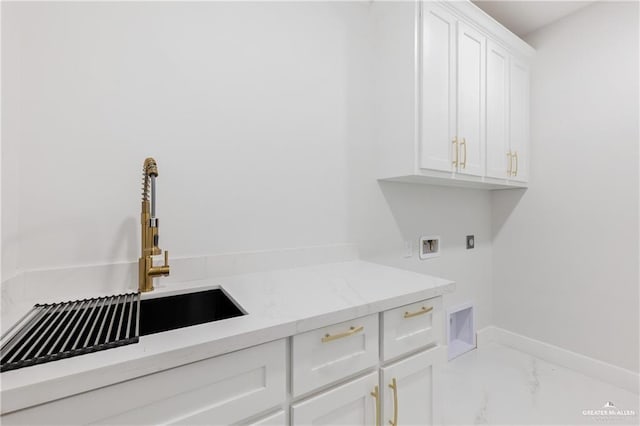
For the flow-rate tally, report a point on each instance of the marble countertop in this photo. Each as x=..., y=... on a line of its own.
x=278, y=304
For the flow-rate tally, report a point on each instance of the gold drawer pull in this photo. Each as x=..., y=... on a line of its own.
x=376, y=395
x=394, y=386
x=422, y=311
x=353, y=330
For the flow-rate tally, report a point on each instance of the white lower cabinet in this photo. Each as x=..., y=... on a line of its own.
x=217, y=391
x=411, y=327
x=338, y=376
x=408, y=389
x=350, y=404
x=329, y=354
x=401, y=392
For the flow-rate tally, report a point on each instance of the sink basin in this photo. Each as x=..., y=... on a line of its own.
x=184, y=310
x=53, y=331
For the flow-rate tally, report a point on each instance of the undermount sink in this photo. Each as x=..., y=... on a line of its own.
x=183, y=310
x=53, y=331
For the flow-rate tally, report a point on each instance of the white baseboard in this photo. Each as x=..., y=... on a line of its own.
x=600, y=370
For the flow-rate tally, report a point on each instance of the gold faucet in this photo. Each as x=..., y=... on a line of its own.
x=149, y=221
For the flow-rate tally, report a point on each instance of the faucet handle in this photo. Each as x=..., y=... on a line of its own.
x=166, y=258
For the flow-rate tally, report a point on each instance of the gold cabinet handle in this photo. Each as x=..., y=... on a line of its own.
x=510, y=163
x=464, y=144
x=353, y=330
x=515, y=173
x=513, y=157
x=455, y=148
x=394, y=386
x=421, y=311
x=376, y=395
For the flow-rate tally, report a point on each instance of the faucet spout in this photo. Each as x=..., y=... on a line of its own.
x=150, y=236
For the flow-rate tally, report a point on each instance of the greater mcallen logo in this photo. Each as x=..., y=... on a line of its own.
x=609, y=410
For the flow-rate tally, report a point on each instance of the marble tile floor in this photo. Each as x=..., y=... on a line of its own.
x=499, y=385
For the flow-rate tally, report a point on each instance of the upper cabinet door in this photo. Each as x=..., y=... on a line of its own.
x=471, y=100
x=438, y=94
x=498, y=154
x=519, y=120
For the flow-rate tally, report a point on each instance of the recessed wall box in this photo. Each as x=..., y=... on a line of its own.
x=429, y=247
x=461, y=329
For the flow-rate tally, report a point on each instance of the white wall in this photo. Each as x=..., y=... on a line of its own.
x=244, y=106
x=259, y=116
x=9, y=153
x=398, y=212
x=385, y=215
x=565, y=252
x=0, y=150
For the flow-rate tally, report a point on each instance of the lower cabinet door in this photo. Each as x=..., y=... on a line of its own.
x=351, y=404
x=408, y=389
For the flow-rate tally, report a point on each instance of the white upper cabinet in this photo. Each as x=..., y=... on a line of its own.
x=507, y=116
x=471, y=101
x=498, y=153
x=438, y=90
x=519, y=121
x=452, y=96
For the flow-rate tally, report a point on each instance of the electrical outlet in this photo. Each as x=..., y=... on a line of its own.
x=471, y=242
x=408, y=249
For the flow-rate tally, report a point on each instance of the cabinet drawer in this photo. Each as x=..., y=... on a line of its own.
x=411, y=327
x=349, y=404
x=220, y=390
x=331, y=353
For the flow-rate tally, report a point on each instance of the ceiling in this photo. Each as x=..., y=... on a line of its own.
x=523, y=17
